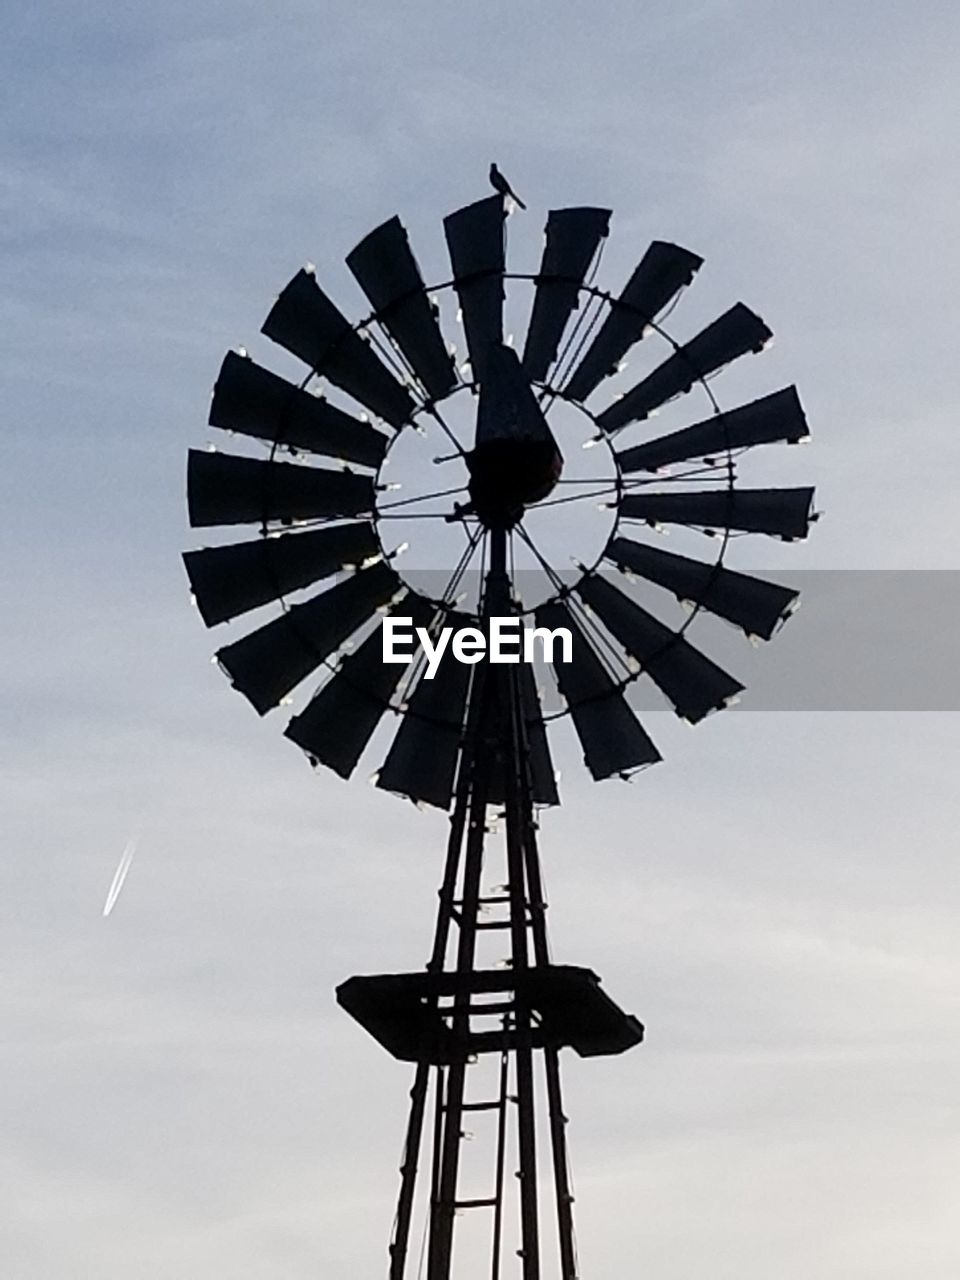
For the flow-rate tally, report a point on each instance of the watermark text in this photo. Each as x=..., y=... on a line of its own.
x=508, y=641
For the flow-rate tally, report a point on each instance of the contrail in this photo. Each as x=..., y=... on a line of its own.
x=120, y=875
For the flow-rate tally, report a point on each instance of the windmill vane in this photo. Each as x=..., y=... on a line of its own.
x=472, y=735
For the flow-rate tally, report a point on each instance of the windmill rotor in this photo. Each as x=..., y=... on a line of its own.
x=316, y=521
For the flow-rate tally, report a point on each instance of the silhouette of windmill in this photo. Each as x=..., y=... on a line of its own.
x=474, y=740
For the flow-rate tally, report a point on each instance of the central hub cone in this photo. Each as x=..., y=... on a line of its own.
x=508, y=475
x=515, y=461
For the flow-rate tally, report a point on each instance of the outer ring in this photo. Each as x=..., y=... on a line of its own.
x=591, y=292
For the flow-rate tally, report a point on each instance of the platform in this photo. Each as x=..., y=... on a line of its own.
x=410, y=1013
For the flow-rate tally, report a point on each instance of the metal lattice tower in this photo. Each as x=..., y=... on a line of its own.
x=472, y=739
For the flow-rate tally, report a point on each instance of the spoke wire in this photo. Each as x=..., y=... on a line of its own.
x=577, y=608
x=612, y=487
x=463, y=564
x=718, y=471
x=445, y=601
x=551, y=392
x=394, y=355
x=578, y=325
x=423, y=497
x=418, y=515
x=692, y=477
x=378, y=511
x=311, y=523
x=446, y=428
x=723, y=469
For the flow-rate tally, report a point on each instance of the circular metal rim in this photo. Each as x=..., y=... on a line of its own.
x=592, y=292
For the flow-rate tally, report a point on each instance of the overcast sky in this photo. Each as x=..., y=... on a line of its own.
x=777, y=901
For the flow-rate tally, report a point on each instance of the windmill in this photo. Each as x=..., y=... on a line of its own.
x=474, y=740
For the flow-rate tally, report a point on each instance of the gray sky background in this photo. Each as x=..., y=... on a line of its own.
x=777, y=901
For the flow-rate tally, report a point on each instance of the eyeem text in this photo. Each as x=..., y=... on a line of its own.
x=508, y=641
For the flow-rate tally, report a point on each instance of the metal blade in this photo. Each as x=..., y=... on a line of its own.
x=613, y=740
x=475, y=240
x=572, y=239
x=751, y=603
x=688, y=678
x=783, y=513
x=733, y=334
x=769, y=420
x=271, y=661
x=255, y=402
x=339, y=721
x=663, y=271
x=387, y=272
x=542, y=776
x=305, y=322
x=223, y=488
x=422, y=761
x=228, y=581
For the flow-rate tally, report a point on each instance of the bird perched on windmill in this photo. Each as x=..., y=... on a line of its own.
x=499, y=183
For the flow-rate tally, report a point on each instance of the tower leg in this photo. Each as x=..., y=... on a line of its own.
x=443, y=1208
x=408, y=1172
x=527, y=1143
x=418, y=1093
x=501, y=1158
x=561, y=1177
x=526, y=1121
x=527, y=839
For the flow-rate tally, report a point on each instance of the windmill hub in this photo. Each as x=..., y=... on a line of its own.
x=507, y=475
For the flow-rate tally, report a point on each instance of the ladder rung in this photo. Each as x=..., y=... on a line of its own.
x=476, y=1204
x=484, y=1106
x=457, y=917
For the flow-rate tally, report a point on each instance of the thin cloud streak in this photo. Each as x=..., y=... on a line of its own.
x=120, y=875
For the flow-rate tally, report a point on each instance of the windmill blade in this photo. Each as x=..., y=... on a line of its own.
x=573, y=237
x=613, y=740
x=255, y=402
x=782, y=513
x=305, y=322
x=271, y=661
x=228, y=581
x=223, y=488
x=769, y=420
x=755, y=605
x=542, y=777
x=693, y=684
x=733, y=334
x=338, y=722
x=422, y=761
x=475, y=241
x=386, y=270
x=663, y=271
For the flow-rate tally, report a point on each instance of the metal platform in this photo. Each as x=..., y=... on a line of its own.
x=409, y=1013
